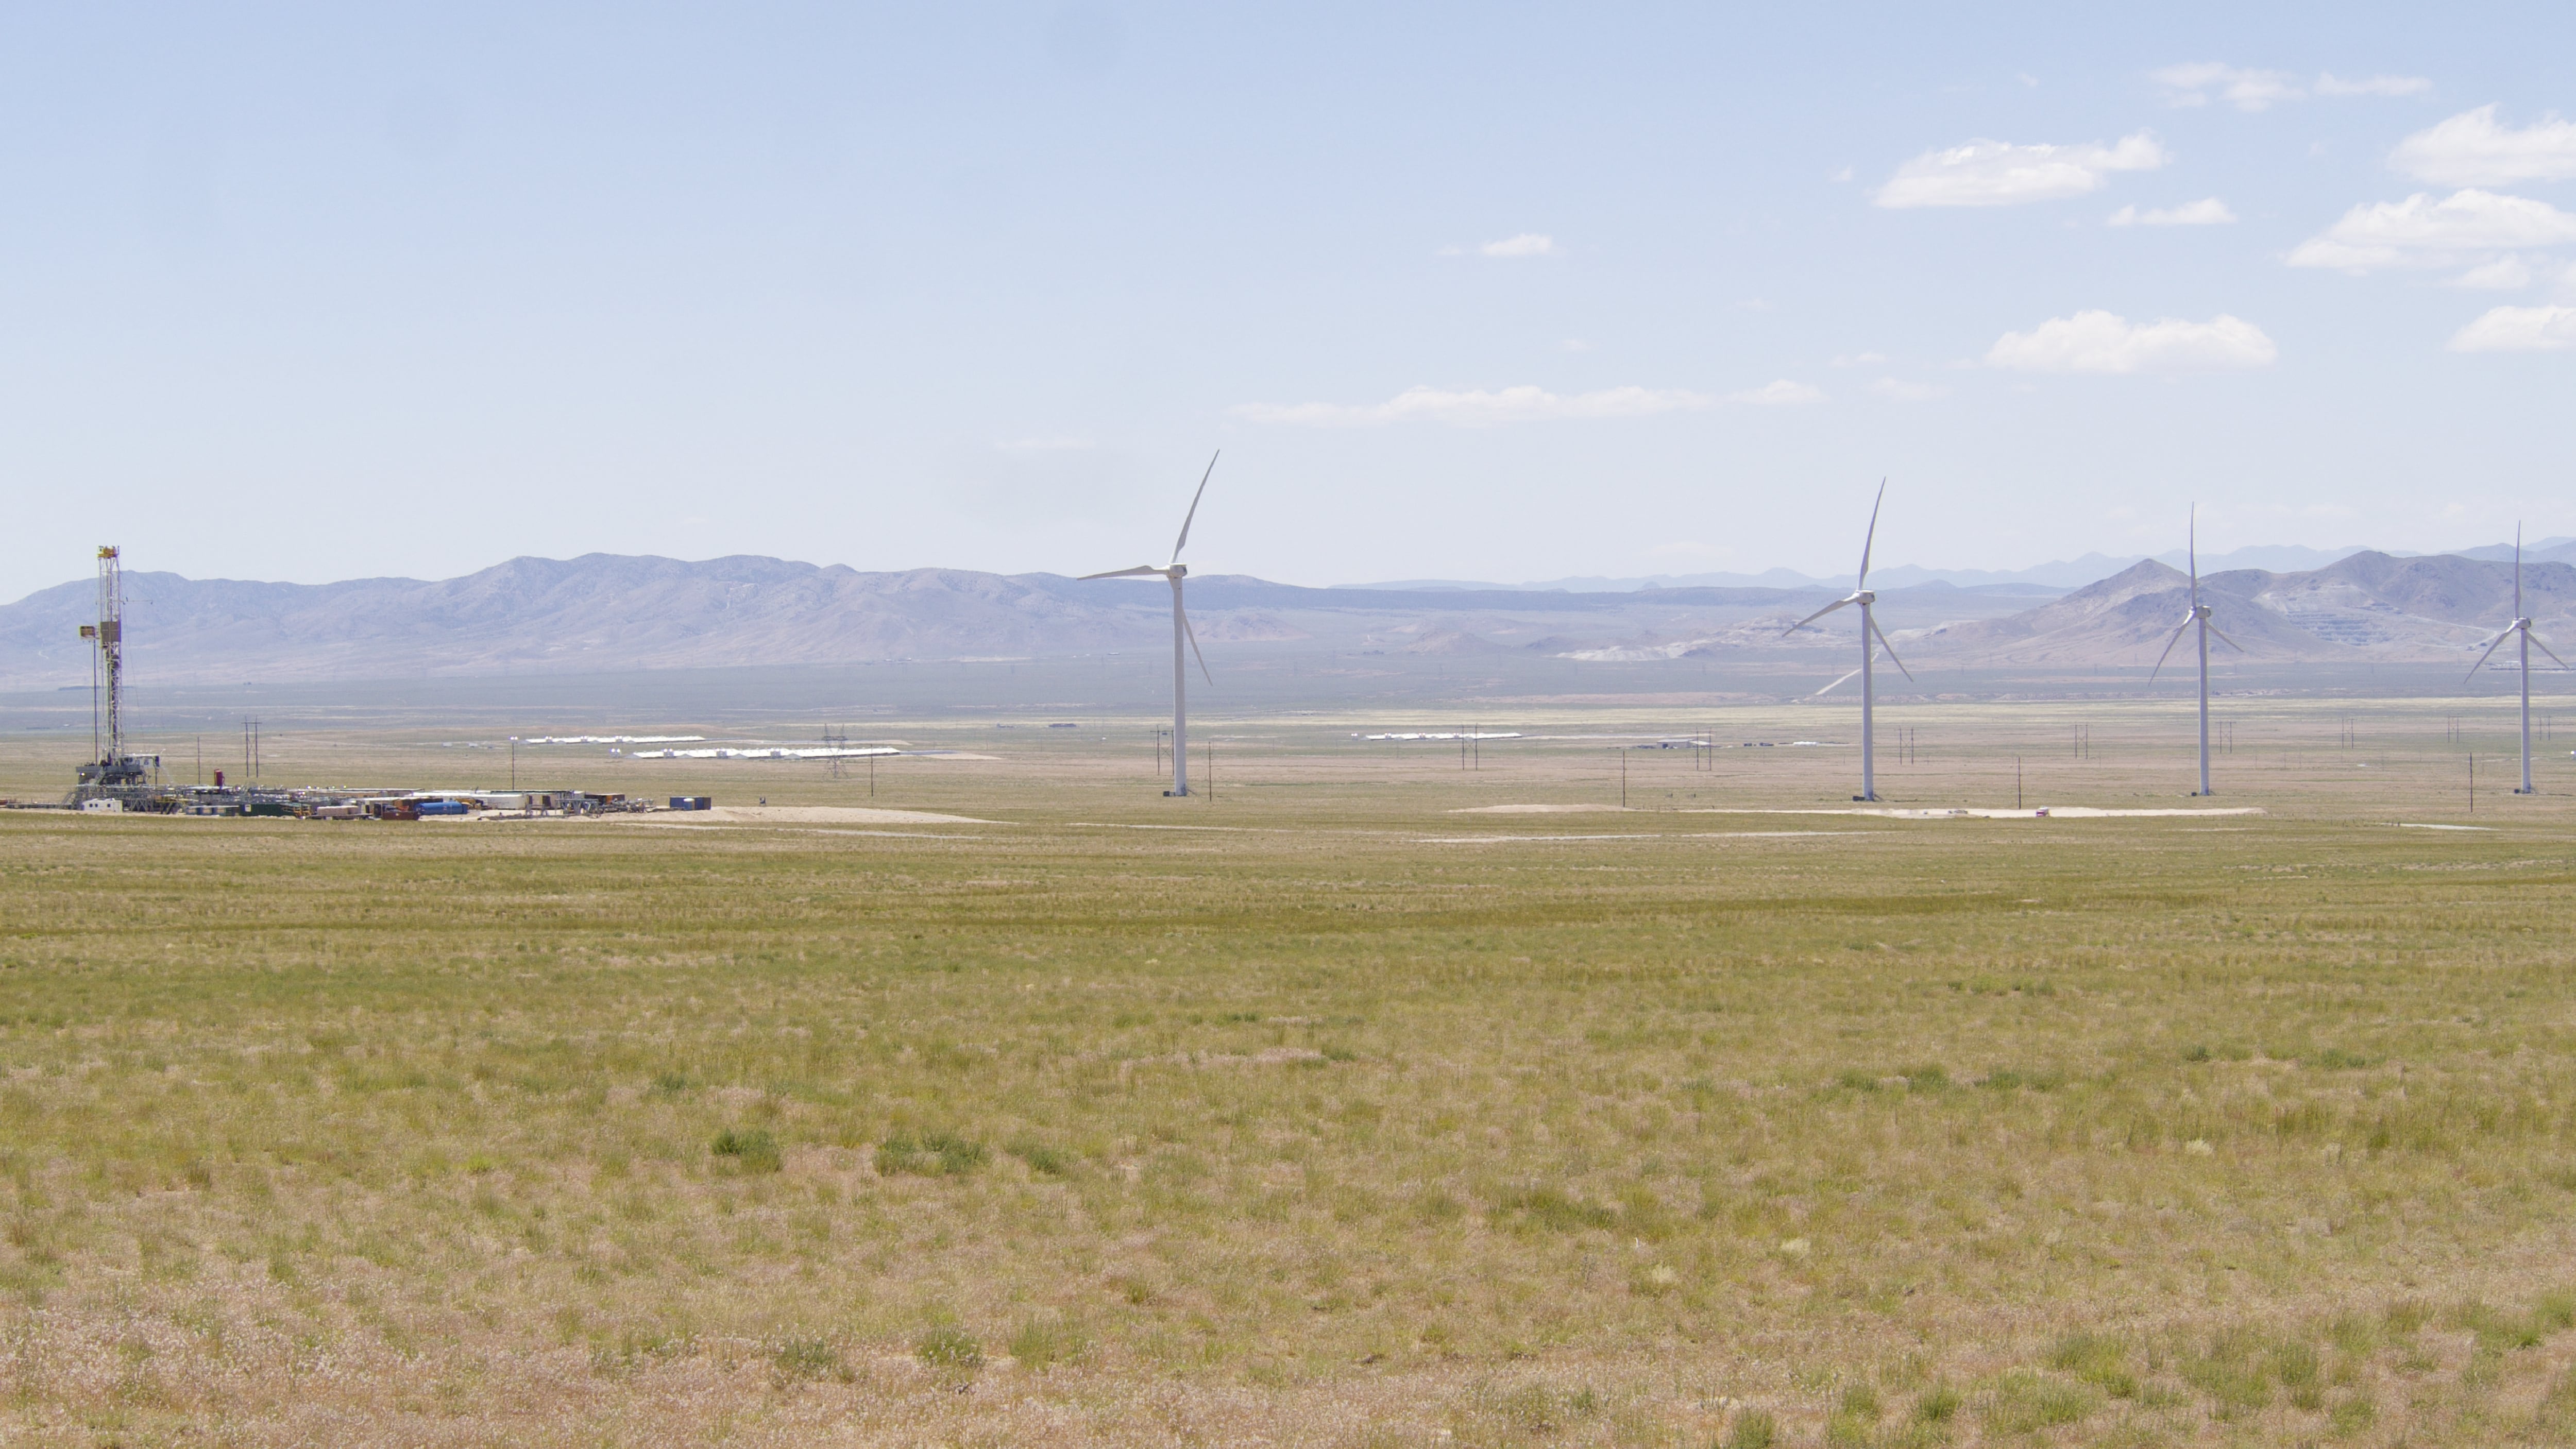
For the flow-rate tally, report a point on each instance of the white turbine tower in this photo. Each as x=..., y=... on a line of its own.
x=2521, y=626
x=1869, y=631
x=1175, y=571
x=2199, y=615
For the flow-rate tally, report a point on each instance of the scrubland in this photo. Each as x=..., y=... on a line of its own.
x=1335, y=1117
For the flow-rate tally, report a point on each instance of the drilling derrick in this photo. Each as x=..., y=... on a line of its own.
x=114, y=770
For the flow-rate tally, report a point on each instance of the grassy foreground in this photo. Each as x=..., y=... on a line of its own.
x=1327, y=1128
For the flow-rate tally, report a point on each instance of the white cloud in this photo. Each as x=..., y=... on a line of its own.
x=1996, y=173
x=1575, y=344
x=2504, y=274
x=2519, y=329
x=2208, y=211
x=1478, y=407
x=2104, y=342
x=2245, y=89
x=1861, y=359
x=1527, y=244
x=2330, y=84
x=1780, y=394
x=2248, y=89
x=2470, y=149
x=2423, y=232
x=1046, y=445
x=1901, y=391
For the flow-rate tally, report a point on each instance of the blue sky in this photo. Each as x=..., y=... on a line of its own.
x=1467, y=290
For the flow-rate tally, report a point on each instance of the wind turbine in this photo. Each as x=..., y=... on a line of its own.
x=1869, y=630
x=2521, y=626
x=2199, y=615
x=1175, y=571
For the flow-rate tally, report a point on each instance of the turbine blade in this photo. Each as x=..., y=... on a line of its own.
x=2170, y=641
x=2191, y=540
x=1811, y=618
x=1870, y=537
x=1891, y=651
x=2543, y=648
x=1194, y=505
x=2482, y=659
x=2223, y=639
x=1138, y=572
x=1194, y=648
x=1837, y=684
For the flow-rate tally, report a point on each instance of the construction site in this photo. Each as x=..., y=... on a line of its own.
x=116, y=780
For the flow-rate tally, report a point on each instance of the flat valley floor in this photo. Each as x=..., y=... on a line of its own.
x=1362, y=1104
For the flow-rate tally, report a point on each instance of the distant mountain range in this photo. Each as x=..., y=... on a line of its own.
x=605, y=612
x=2047, y=578
x=2366, y=606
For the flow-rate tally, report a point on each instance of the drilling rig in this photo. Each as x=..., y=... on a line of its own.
x=115, y=775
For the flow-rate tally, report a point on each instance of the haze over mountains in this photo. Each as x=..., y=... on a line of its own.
x=2051, y=577
x=606, y=612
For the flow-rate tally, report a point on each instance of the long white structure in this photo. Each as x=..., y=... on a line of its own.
x=2521, y=625
x=2199, y=614
x=1871, y=641
x=1175, y=571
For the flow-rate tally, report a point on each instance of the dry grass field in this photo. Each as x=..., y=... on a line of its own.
x=1340, y=1109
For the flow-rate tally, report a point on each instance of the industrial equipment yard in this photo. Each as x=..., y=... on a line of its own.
x=1378, y=1097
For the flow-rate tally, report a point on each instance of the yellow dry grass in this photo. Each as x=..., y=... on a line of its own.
x=1318, y=1113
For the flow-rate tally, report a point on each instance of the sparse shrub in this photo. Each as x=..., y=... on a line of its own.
x=1937, y=1407
x=749, y=1149
x=2101, y=1362
x=1861, y=1402
x=948, y=1349
x=2230, y=1374
x=1854, y=1079
x=2199, y=1053
x=2358, y=1413
x=1042, y=1159
x=2354, y=1334
x=670, y=1084
x=1752, y=1429
x=932, y=1154
x=2295, y=1365
x=1927, y=1079
x=2336, y=1059
x=1046, y=1340
x=2025, y=1402
x=1548, y=1208
x=2554, y=1313
x=807, y=1358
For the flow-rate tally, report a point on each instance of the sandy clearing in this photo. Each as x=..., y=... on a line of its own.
x=2042, y=812
x=804, y=815
x=1658, y=835
x=1535, y=809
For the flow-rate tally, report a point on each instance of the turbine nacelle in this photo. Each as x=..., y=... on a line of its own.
x=1182, y=633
